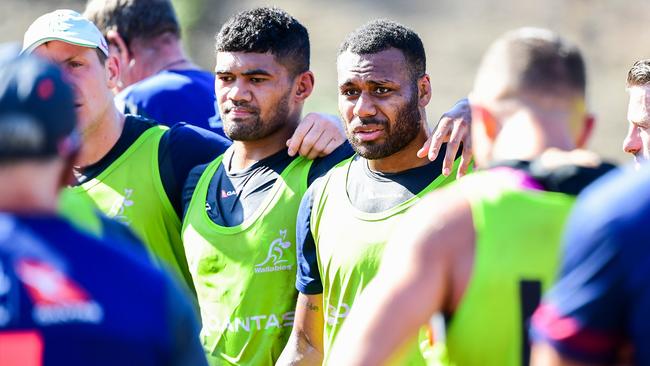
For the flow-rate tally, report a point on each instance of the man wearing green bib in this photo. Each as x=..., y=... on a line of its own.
x=483, y=260
x=346, y=217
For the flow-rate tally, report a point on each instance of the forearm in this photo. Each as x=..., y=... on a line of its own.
x=299, y=351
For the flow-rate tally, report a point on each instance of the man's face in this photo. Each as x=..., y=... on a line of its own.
x=637, y=141
x=378, y=100
x=88, y=77
x=254, y=94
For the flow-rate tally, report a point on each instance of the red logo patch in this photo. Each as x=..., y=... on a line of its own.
x=48, y=286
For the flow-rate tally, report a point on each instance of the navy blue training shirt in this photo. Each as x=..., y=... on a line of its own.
x=181, y=148
x=173, y=96
x=599, y=306
x=235, y=195
x=69, y=299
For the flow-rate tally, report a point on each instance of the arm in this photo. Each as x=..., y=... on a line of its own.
x=453, y=128
x=305, y=345
x=317, y=135
x=416, y=280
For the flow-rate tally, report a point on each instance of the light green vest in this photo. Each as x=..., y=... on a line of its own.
x=518, y=235
x=80, y=212
x=245, y=275
x=131, y=191
x=349, y=246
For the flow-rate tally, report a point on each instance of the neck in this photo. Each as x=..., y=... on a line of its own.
x=247, y=153
x=164, y=55
x=30, y=188
x=101, y=139
x=525, y=137
x=402, y=160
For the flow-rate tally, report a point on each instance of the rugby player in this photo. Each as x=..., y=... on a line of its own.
x=345, y=219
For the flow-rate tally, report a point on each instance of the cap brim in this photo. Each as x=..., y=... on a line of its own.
x=70, y=40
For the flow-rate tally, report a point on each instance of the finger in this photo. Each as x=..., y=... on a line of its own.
x=438, y=137
x=452, y=149
x=296, y=140
x=424, y=149
x=465, y=160
x=319, y=148
x=310, y=141
x=331, y=146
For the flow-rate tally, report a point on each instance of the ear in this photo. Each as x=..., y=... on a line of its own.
x=585, y=133
x=123, y=52
x=304, y=85
x=112, y=67
x=485, y=119
x=424, y=91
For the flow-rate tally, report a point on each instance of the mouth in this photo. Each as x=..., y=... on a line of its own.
x=368, y=133
x=240, y=112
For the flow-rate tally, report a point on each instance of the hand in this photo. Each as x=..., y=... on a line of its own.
x=453, y=128
x=317, y=135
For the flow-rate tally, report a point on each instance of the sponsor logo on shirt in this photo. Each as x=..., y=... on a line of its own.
x=118, y=211
x=226, y=194
x=336, y=315
x=56, y=297
x=259, y=322
x=275, y=258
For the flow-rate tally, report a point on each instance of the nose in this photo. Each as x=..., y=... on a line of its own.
x=632, y=143
x=238, y=92
x=364, y=106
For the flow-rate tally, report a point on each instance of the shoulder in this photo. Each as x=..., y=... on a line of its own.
x=184, y=137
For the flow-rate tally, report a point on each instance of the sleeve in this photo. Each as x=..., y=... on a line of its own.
x=583, y=316
x=321, y=166
x=190, y=185
x=308, y=279
x=182, y=148
x=184, y=329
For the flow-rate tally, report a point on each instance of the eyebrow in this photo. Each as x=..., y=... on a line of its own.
x=247, y=72
x=349, y=83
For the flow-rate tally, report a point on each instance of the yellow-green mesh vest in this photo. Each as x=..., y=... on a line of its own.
x=80, y=212
x=245, y=275
x=349, y=246
x=518, y=234
x=131, y=191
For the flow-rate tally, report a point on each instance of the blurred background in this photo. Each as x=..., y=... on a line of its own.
x=611, y=33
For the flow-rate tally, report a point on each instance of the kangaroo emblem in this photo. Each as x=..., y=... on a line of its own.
x=276, y=250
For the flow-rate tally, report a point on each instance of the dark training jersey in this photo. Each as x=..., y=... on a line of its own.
x=173, y=96
x=182, y=148
x=69, y=299
x=235, y=195
x=599, y=306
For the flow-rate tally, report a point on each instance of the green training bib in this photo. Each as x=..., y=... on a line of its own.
x=518, y=235
x=349, y=246
x=245, y=275
x=131, y=191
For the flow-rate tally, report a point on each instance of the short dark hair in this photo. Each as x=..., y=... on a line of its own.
x=132, y=19
x=639, y=74
x=382, y=34
x=267, y=29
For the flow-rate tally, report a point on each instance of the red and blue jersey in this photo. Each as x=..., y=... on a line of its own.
x=69, y=299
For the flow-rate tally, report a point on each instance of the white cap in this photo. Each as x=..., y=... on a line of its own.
x=64, y=25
